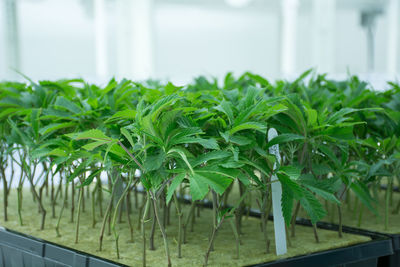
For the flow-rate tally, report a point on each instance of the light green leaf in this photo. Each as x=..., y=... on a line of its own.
x=55, y=126
x=251, y=125
x=174, y=185
x=198, y=188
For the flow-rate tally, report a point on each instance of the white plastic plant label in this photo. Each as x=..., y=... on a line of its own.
x=276, y=188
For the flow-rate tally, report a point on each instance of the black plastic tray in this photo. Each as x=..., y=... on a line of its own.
x=369, y=254
x=20, y=250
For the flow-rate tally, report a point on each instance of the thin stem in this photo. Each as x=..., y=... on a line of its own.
x=106, y=215
x=153, y=227
x=128, y=215
x=293, y=221
x=62, y=210
x=146, y=211
x=116, y=235
x=164, y=234
x=191, y=211
x=236, y=234
x=180, y=215
x=79, y=214
x=315, y=233
x=340, y=221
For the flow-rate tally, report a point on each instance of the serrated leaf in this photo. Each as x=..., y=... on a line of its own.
x=128, y=114
x=128, y=136
x=90, y=178
x=154, y=162
x=213, y=155
x=240, y=140
x=226, y=108
x=198, y=188
x=67, y=104
x=292, y=171
x=312, y=206
x=174, y=185
x=91, y=146
x=321, y=188
x=251, y=125
x=94, y=134
x=55, y=126
x=182, y=155
x=287, y=204
x=284, y=138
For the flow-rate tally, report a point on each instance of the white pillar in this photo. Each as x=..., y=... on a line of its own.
x=323, y=35
x=289, y=10
x=135, y=39
x=11, y=40
x=100, y=29
x=393, y=35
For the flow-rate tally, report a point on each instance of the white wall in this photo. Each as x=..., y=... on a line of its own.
x=57, y=40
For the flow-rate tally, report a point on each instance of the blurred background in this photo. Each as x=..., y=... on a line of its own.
x=180, y=39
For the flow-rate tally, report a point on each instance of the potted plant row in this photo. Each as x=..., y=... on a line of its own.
x=120, y=160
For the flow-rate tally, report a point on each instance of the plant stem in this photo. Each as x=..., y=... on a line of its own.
x=116, y=235
x=191, y=211
x=293, y=221
x=62, y=209
x=153, y=227
x=164, y=235
x=315, y=233
x=236, y=234
x=387, y=202
x=128, y=215
x=94, y=206
x=216, y=226
x=339, y=208
x=79, y=214
x=72, y=200
x=106, y=215
x=180, y=215
x=36, y=196
x=146, y=211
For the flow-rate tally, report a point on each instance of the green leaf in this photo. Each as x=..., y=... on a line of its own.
x=90, y=178
x=311, y=116
x=219, y=183
x=284, y=138
x=164, y=102
x=213, y=155
x=182, y=154
x=251, y=125
x=287, y=204
x=327, y=151
x=174, y=185
x=35, y=121
x=226, y=108
x=91, y=146
x=339, y=133
x=240, y=140
x=321, y=188
x=55, y=126
x=292, y=171
x=198, y=187
x=128, y=136
x=312, y=206
x=154, y=162
x=128, y=114
x=362, y=193
x=94, y=134
x=64, y=103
